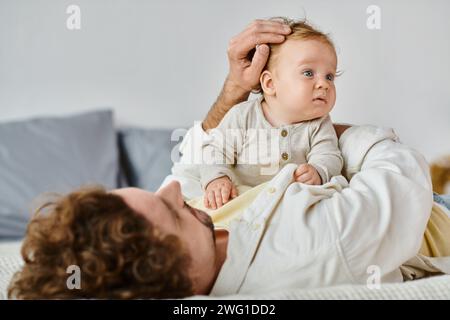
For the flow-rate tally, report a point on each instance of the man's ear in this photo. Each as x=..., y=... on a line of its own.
x=267, y=85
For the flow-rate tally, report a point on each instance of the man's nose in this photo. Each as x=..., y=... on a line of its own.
x=174, y=184
x=172, y=192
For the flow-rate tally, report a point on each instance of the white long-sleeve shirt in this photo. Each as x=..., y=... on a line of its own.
x=302, y=236
x=249, y=150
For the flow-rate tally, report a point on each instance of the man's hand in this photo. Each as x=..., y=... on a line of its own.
x=245, y=69
x=218, y=192
x=307, y=174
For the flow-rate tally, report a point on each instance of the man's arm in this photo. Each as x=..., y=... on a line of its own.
x=382, y=215
x=244, y=72
x=243, y=76
x=230, y=95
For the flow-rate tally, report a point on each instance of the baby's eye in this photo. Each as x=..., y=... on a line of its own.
x=330, y=77
x=308, y=73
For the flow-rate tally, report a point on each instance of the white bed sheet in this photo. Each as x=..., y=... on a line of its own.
x=437, y=287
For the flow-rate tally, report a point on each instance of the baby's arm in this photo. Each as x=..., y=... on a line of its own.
x=324, y=155
x=219, y=155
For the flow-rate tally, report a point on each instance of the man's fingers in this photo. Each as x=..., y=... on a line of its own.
x=249, y=37
x=260, y=25
x=264, y=31
x=264, y=28
x=243, y=46
x=260, y=59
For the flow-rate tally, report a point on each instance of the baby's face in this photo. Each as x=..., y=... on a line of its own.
x=303, y=78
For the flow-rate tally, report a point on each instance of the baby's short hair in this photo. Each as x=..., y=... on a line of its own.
x=301, y=30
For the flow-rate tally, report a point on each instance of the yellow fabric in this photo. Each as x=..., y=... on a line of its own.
x=436, y=240
x=231, y=210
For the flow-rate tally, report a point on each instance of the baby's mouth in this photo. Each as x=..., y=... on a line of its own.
x=323, y=100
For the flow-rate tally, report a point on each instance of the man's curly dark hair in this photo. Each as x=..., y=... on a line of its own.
x=120, y=254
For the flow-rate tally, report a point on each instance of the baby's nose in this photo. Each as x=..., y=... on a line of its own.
x=322, y=85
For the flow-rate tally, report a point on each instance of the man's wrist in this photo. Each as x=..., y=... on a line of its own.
x=233, y=93
x=230, y=95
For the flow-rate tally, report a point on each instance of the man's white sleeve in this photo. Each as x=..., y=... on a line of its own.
x=381, y=217
x=187, y=170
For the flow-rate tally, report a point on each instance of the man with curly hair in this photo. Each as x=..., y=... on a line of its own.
x=122, y=255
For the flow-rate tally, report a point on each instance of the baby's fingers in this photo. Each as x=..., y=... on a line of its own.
x=212, y=200
x=234, y=192
x=310, y=182
x=301, y=169
x=225, y=191
x=304, y=177
x=218, y=197
x=206, y=200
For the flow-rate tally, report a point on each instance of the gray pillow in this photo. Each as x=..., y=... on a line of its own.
x=146, y=156
x=55, y=154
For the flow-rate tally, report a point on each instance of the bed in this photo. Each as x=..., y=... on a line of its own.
x=437, y=287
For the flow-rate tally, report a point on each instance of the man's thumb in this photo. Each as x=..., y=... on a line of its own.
x=260, y=57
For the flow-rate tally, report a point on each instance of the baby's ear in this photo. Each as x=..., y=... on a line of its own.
x=267, y=84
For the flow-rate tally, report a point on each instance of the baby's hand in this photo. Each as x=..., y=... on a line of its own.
x=218, y=192
x=307, y=174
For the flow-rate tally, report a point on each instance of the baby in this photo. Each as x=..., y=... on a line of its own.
x=289, y=123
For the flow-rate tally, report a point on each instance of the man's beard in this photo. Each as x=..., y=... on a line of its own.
x=205, y=219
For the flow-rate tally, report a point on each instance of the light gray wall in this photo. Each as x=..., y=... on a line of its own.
x=162, y=63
